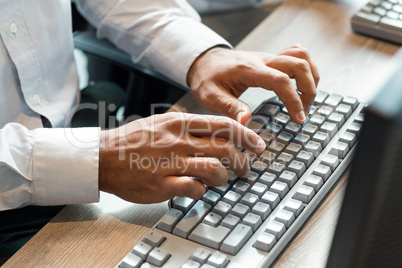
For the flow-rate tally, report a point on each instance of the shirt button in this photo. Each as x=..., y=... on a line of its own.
x=36, y=99
x=13, y=28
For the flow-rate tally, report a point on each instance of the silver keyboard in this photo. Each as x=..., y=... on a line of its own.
x=381, y=19
x=248, y=222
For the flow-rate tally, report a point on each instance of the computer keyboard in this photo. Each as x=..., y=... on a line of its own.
x=381, y=19
x=249, y=221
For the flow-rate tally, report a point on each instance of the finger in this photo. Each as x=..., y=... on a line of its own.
x=302, y=53
x=300, y=70
x=220, y=127
x=181, y=186
x=280, y=83
x=209, y=169
x=227, y=153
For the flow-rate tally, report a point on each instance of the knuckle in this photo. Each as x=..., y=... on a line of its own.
x=303, y=65
x=281, y=80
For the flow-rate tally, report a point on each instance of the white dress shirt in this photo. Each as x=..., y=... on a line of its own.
x=59, y=165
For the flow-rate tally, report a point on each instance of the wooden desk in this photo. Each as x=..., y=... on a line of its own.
x=99, y=235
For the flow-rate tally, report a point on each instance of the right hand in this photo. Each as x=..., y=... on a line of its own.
x=154, y=159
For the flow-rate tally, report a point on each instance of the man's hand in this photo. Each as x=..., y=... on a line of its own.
x=154, y=159
x=219, y=76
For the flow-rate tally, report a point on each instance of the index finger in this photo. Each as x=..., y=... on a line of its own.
x=221, y=127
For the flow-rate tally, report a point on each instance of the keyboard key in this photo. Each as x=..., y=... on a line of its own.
x=285, y=138
x=323, y=171
x=368, y=17
x=249, y=199
x=304, y=194
x=297, y=167
x=209, y=236
x=313, y=147
x=222, y=190
x=339, y=149
x=345, y=110
x=333, y=100
x=169, y=220
x=231, y=197
x=267, y=137
x=259, y=167
x=271, y=198
x=142, y=250
x=349, y=138
x=352, y=101
x=212, y=219
x=355, y=128
x=158, y=257
x=329, y=128
x=302, y=139
x=274, y=128
x=276, y=147
x=289, y=178
x=262, y=209
x=154, y=239
x=295, y=206
x=293, y=149
x=314, y=181
x=320, y=97
x=282, y=119
x=285, y=217
x=192, y=218
x=337, y=118
x=285, y=159
x=267, y=179
x=268, y=157
x=325, y=111
x=240, y=210
x=230, y=221
x=222, y=208
x=309, y=130
x=236, y=239
x=259, y=189
x=306, y=157
x=251, y=178
x=211, y=197
x=252, y=220
x=280, y=188
x=131, y=261
x=250, y=156
x=268, y=110
x=331, y=161
x=183, y=203
x=241, y=187
x=391, y=23
x=276, y=228
x=265, y=242
x=190, y=264
x=317, y=120
x=359, y=118
x=218, y=260
x=276, y=168
x=201, y=255
x=293, y=128
x=255, y=126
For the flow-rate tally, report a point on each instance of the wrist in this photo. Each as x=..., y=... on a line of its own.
x=202, y=61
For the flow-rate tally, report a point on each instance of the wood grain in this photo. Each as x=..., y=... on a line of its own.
x=99, y=235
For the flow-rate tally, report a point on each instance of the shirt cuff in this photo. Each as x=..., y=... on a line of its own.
x=174, y=58
x=65, y=166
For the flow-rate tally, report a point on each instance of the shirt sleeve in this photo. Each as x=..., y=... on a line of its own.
x=164, y=35
x=48, y=166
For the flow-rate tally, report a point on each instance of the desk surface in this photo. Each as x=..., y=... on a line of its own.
x=99, y=235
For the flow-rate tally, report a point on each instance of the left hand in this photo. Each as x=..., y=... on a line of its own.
x=220, y=75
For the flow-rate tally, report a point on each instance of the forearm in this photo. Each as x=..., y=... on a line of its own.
x=166, y=36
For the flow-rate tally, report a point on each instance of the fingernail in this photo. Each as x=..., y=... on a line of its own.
x=261, y=144
x=301, y=116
